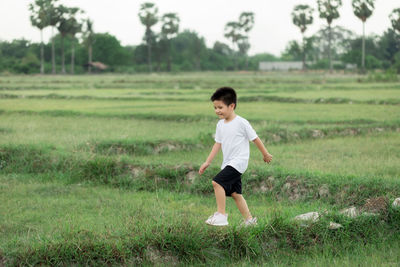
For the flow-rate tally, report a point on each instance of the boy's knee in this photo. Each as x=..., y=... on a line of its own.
x=236, y=195
x=214, y=184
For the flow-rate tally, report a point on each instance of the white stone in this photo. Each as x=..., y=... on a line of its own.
x=191, y=176
x=324, y=191
x=396, y=203
x=286, y=186
x=350, y=212
x=334, y=226
x=309, y=216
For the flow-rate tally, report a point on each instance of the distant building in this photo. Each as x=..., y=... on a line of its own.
x=97, y=65
x=294, y=65
x=280, y=65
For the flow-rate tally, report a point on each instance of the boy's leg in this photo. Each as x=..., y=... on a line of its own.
x=242, y=205
x=219, y=197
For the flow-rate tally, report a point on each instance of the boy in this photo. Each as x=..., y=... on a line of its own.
x=232, y=135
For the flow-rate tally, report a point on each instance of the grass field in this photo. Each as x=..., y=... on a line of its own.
x=101, y=170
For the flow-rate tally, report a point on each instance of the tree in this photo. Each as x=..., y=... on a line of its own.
x=108, y=50
x=246, y=22
x=53, y=18
x=189, y=50
x=340, y=41
x=295, y=51
x=389, y=45
x=63, y=30
x=363, y=10
x=74, y=28
x=148, y=17
x=89, y=39
x=169, y=30
x=328, y=9
x=39, y=20
x=395, y=19
x=67, y=24
x=233, y=32
x=302, y=17
x=373, y=52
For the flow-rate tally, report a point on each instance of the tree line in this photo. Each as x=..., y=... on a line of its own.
x=175, y=50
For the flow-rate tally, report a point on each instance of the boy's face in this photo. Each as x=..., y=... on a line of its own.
x=222, y=110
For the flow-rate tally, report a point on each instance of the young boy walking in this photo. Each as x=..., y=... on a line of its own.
x=232, y=136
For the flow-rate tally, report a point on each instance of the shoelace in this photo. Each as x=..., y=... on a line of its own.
x=213, y=216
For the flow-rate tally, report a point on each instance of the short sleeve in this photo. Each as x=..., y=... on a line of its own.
x=250, y=133
x=218, y=137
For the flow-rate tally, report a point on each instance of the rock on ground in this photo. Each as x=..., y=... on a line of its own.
x=191, y=176
x=310, y=216
x=396, y=203
x=334, y=226
x=323, y=191
x=350, y=212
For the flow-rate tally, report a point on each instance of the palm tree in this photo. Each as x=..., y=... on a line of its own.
x=39, y=20
x=246, y=21
x=169, y=30
x=148, y=17
x=395, y=19
x=74, y=28
x=328, y=9
x=89, y=39
x=244, y=46
x=65, y=28
x=302, y=17
x=233, y=32
x=53, y=18
x=363, y=10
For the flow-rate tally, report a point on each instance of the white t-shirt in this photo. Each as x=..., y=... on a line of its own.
x=234, y=138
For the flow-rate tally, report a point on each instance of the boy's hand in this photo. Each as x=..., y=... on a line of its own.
x=203, y=167
x=267, y=158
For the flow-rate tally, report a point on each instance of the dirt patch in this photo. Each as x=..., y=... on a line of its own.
x=166, y=147
x=191, y=177
x=323, y=191
x=2, y=261
x=295, y=189
x=265, y=185
x=135, y=171
x=276, y=138
x=160, y=258
x=376, y=205
x=317, y=134
x=350, y=132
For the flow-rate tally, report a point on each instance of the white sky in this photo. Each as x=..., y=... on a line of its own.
x=272, y=30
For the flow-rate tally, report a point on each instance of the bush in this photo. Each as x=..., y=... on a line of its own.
x=389, y=75
x=396, y=65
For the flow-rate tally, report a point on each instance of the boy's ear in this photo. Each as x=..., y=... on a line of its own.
x=233, y=105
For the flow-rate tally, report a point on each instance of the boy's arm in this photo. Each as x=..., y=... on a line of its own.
x=214, y=151
x=266, y=156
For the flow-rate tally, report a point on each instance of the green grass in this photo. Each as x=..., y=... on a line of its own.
x=282, y=112
x=51, y=223
x=348, y=156
x=71, y=132
x=367, y=94
x=376, y=156
x=101, y=170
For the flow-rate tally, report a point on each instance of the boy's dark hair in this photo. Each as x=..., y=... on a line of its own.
x=226, y=95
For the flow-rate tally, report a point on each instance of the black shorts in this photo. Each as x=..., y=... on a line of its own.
x=230, y=179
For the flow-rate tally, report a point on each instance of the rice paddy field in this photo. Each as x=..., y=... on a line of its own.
x=101, y=170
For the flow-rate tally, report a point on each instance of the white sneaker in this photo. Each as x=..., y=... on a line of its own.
x=250, y=222
x=218, y=219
